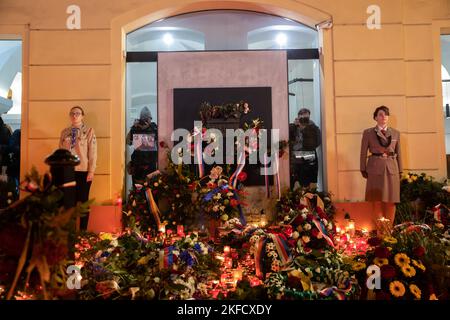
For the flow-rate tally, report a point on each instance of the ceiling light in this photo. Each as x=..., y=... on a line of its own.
x=281, y=39
x=168, y=39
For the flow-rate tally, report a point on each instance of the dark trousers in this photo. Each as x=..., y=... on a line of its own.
x=305, y=172
x=82, y=194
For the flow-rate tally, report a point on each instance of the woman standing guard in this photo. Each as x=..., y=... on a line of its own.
x=383, y=167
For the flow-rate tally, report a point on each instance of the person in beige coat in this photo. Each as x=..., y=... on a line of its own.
x=382, y=166
x=80, y=140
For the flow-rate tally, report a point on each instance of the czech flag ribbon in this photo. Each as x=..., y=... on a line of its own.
x=260, y=257
x=266, y=175
x=282, y=248
x=319, y=225
x=240, y=166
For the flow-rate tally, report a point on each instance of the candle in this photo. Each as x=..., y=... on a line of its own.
x=228, y=262
x=351, y=227
x=220, y=257
x=180, y=230
x=161, y=259
x=214, y=293
x=237, y=274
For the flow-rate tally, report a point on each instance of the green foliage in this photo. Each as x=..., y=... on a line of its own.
x=418, y=194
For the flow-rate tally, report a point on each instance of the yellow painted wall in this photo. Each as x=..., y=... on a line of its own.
x=397, y=66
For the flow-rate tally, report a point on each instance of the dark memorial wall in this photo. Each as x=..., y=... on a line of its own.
x=187, y=101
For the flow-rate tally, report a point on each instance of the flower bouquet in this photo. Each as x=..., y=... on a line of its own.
x=407, y=260
x=218, y=198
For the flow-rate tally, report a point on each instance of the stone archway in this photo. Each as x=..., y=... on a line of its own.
x=157, y=10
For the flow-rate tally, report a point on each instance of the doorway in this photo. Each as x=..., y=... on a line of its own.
x=233, y=31
x=10, y=119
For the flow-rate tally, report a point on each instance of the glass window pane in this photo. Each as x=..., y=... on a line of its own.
x=10, y=118
x=445, y=44
x=222, y=30
x=305, y=128
x=141, y=122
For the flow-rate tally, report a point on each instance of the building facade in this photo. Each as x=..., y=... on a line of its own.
x=397, y=64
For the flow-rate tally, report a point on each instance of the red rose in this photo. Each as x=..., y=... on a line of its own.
x=242, y=176
x=315, y=232
x=387, y=271
x=321, y=213
x=192, y=186
x=288, y=231
x=292, y=243
x=309, y=217
x=382, y=252
x=301, y=206
x=419, y=251
x=375, y=241
x=211, y=185
x=298, y=220
x=234, y=203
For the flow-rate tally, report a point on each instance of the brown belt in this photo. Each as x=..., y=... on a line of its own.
x=386, y=154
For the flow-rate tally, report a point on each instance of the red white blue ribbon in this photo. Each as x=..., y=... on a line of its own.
x=240, y=166
x=198, y=151
x=282, y=248
x=319, y=225
x=266, y=176
x=277, y=175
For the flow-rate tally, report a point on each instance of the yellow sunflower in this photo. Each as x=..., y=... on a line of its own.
x=390, y=240
x=433, y=297
x=397, y=289
x=401, y=259
x=408, y=271
x=358, y=266
x=380, y=261
x=418, y=264
x=415, y=291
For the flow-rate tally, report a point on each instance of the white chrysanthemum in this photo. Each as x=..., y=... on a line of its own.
x=307, y=227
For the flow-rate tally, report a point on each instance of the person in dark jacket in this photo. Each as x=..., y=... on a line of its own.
x=5, y=135
x=143, y=136
x=14, y=166
x=305, y=138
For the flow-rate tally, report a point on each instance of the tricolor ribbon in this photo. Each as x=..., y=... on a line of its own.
x=281, y=248
x=319, y=225
x=198, y=151
x=437, y=213
x=166, y=257
x=153, y=207
x=277, y=176
x=266, y=175
x=260, y=257
x=240, y=166
x=340, y=294
x=241, y=213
